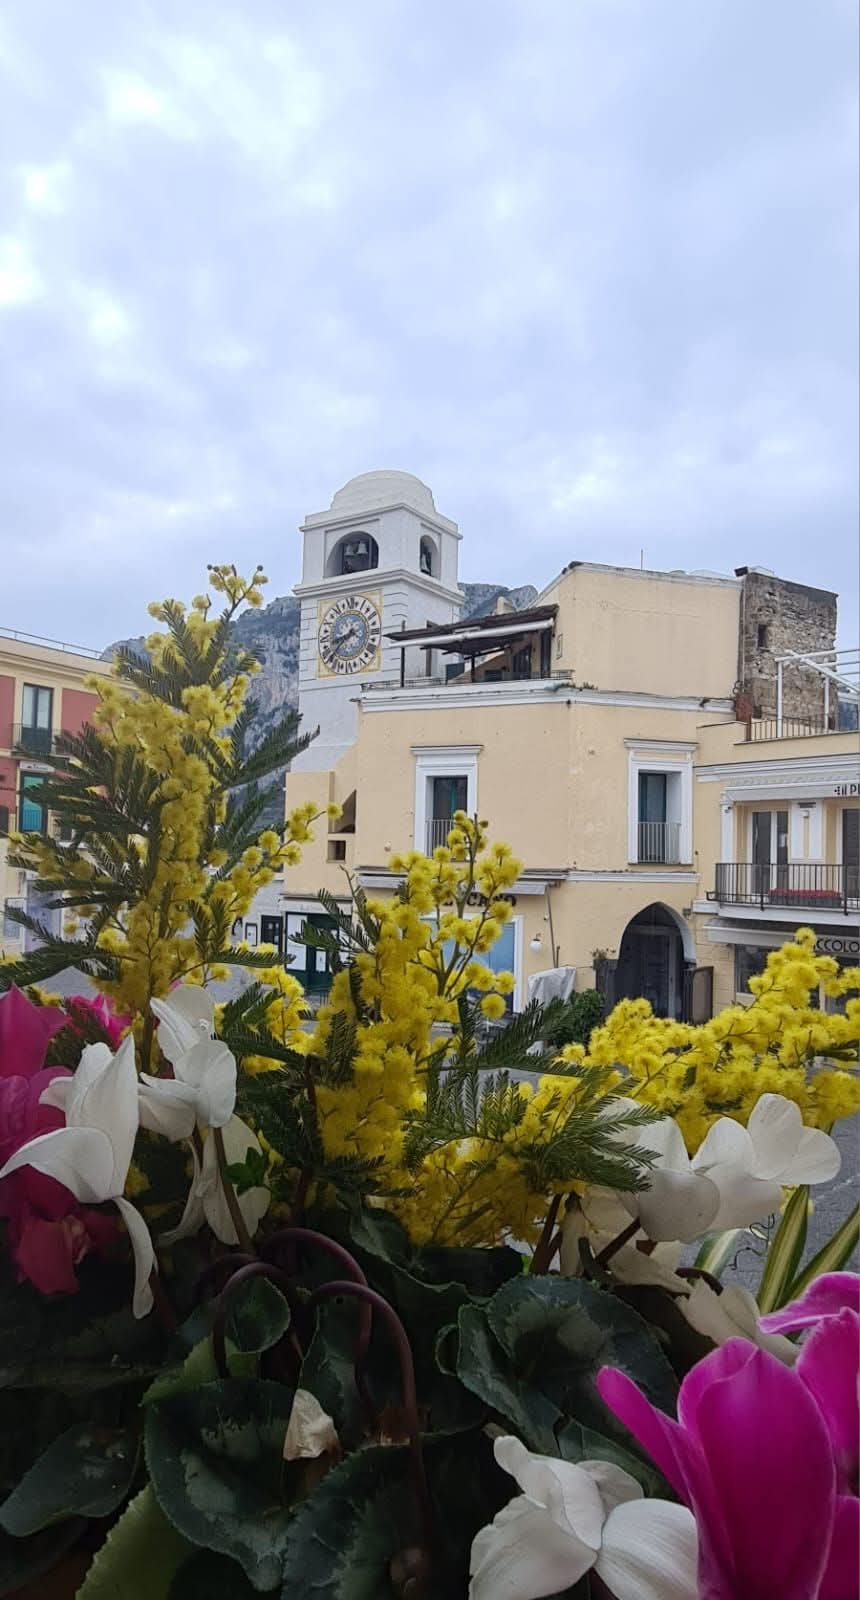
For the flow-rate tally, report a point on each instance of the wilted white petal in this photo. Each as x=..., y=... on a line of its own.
x=210, y=1069
x=144, y=1255
x=655, y=1267
x=253, y=1204
x=184, y=1016
x=311, y=1432
x=81, y=1159
x=733, y=1314
x=167, y=1107
x=650, y=1552
x=524, y=1555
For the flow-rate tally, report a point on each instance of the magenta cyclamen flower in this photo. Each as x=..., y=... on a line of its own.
x=759, y=1455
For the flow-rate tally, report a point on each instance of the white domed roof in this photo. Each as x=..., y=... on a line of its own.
x=370, y=490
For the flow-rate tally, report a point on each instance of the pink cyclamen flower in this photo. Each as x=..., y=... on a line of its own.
x=25, y=1033
x=754, y=1453
x=98, y=1007
x=826, y=1296
x=48, y=1232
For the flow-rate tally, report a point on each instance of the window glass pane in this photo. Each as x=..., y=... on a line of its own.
x=781, y=838
x=750, y=960
x=32, y=811
x=761, y=838
x=652, y=797
x=449, y=795
x=851, y=837
x=36, y=706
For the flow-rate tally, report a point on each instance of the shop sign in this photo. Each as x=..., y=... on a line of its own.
x=836, y=944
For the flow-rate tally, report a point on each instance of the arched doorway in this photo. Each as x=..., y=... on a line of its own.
x=655, y=948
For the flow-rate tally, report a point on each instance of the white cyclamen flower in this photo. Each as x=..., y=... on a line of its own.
x=206, y=1199
x=571, y=1518
x=732, y=1314
x=599, y=1216
x=202, y=1091
x=751, y=1165
x=91, y=1155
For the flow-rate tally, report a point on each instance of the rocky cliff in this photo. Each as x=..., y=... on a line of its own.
x=272, y=633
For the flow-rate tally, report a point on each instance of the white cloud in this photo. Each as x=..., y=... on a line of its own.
x=46, y=188
x=19, y=279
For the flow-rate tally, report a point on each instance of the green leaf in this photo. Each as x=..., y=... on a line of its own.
x=784, y=1252
x=139, y=1556
x=250, y=1173
x=198, y=1368
x=363, y=1515
x=215, y=1457
x=832, y=1257
x=208, y=1576
x=86, y=1472
x=718, y=1249
x=534, y=1351
x=258, y=1316
x=23, y=1561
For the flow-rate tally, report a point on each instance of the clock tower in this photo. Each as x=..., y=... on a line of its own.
x=379, y=559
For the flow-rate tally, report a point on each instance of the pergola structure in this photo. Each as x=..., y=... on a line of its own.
x=482, y=636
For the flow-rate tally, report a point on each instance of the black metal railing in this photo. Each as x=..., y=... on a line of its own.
x=761, y=728
x=33, y=741
x=813, y=885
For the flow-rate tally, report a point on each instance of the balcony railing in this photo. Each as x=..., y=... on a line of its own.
x=437, y=831
x=659, y=842
x=33, y=741
x=812, y=885
x=759, y=728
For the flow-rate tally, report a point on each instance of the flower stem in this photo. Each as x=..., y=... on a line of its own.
x=616, y=1244
x=243, y=1237
x=361, y=1291
x=162, y=1303
x=546, y=1246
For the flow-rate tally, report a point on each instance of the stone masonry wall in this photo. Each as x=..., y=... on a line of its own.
x=778, y=616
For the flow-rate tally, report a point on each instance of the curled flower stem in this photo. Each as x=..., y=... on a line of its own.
x=223, y=1269
x=254, y=1269
x=361, y=1291
x=700, y=1272
x=243, y=1237
x=349, y=1265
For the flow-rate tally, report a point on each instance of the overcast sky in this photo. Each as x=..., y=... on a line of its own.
x=588, y=267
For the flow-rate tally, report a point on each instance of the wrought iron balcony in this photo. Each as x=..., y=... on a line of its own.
x=812, y=885
x=33, y=741
x=659, y=842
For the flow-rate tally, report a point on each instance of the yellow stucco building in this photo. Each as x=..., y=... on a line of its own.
x=662, y=750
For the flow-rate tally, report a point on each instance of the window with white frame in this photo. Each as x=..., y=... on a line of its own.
x=446, y=780
x=660, y=803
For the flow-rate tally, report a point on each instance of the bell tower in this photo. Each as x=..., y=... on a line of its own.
x=379, y=559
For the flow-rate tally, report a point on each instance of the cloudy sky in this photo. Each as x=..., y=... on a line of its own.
x=588, y=267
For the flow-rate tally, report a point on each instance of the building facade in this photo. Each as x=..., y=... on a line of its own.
x=42, y=695
x=666, y=817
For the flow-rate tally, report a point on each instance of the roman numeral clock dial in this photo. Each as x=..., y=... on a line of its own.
x=350, y=631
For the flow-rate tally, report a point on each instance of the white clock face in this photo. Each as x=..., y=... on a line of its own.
x=349, y=634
